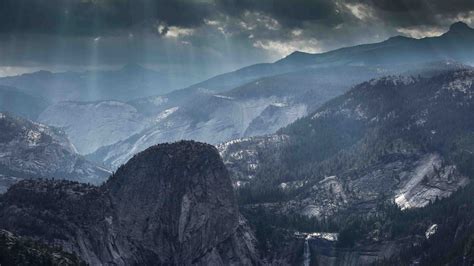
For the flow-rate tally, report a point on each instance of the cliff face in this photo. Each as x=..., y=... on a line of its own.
x=171, y=204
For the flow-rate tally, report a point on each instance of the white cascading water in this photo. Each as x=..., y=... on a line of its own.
x=307, y=252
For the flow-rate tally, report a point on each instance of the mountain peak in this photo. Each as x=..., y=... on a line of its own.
x=459, y=27
x=182, y=155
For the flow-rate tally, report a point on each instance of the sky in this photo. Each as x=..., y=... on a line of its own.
x=203, y=38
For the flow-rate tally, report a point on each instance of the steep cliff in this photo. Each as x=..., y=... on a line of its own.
x=170, y=204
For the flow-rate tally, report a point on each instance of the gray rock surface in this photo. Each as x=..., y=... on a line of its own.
x=170, y=204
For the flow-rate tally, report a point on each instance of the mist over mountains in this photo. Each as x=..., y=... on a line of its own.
x=357, y=156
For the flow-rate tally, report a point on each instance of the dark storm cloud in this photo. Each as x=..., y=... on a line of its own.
x=420, y=12
x=98, y=16
x=102, y=16
x=191, y=33
x=292, y=13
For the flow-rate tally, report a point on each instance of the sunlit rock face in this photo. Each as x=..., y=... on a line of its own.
x=31, y=150
x=92, y=125
x=170, y=204
x=399, y=139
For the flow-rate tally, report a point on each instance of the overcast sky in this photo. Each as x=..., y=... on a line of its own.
x=203, y=37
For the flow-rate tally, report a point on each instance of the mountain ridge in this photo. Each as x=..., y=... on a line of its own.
x=302, y=58
x=33, y=150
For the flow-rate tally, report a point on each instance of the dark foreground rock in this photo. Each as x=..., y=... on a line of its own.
x=171, y=204
x=18, y=251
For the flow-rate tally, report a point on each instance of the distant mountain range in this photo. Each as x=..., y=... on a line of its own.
x=262, y=98
x=129, y=82
x=455, y=45
x=20, y=103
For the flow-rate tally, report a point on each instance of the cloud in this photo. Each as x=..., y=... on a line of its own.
x=290, y=13
x=190, y=33
x=92, y=17
x=409, y=13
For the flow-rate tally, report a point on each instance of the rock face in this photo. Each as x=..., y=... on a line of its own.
x=91, y=125
x=170, y=204
x=32, y=150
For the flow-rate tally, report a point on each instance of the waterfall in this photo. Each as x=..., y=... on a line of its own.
x=307, y=252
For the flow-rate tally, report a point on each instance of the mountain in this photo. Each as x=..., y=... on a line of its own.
x=368, y=177
x=456, y=44
x=30, y=150
x=235, y=104
x=91, y=125
x=129, y=82
x=14, y=101
x=259, y=107
x=404, y=139
x=170, y=204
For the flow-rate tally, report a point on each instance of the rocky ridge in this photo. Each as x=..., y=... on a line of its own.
x=34, y=150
